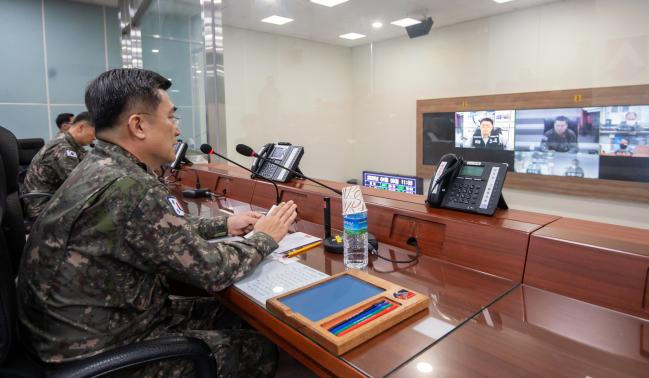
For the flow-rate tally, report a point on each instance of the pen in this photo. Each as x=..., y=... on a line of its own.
x=356, y=316
x=361, y=323
x=304, y=249
x=365, y=317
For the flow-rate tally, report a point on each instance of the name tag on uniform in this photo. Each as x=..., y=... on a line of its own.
x=175, y=205
x=70, y=153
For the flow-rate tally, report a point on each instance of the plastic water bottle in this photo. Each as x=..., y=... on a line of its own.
x=355, y=239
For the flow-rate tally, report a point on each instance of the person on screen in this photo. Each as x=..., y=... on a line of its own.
x=574, y=170
x=560, y=138
x=630, y=122
x=536, y=166
x=623, y=149
x=488, y=136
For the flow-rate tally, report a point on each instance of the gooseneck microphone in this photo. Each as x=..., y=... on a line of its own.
x=247, y=151
x=207, y=149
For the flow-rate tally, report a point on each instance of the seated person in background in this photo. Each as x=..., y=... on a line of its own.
x=630, y=122
x=95, y=271
x=54, y=162
x=624, y=149
x=64, y=121
x=574, y=170
x=488, y=136
x=560, y=138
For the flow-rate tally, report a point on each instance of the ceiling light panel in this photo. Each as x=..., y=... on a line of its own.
x=404, y=22
x=503, y=1
x=351, y=36
x=277, y=20
x=329, y=3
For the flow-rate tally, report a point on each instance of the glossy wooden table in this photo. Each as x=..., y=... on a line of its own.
x=536, y=333
x=599, y=263
x=537, y=329
x=457, y=294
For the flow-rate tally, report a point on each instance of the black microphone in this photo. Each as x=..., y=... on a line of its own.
x=247, y=151
x=207, y=149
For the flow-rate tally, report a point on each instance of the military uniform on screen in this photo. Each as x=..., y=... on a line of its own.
x=494, y=141
x=560, y=143
x=49, y=169
x=94, y=273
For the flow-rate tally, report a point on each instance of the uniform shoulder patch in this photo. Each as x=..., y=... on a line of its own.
x=70, y=153
x=175, y=205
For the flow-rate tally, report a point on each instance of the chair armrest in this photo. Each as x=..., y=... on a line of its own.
x=142, y=353
x=35, y=195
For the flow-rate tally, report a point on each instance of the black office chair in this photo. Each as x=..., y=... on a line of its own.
x=27, y=149
x=15, y=361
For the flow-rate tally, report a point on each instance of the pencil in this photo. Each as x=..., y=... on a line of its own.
x=369, y=314
x=360, y=324
x=303, y=249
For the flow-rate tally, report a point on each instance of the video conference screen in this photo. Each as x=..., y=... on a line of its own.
x=394, y=183
x=609, y=142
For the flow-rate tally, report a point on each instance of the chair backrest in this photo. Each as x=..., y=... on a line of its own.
x=7, y=287
x=12, y=221
x=27, y=149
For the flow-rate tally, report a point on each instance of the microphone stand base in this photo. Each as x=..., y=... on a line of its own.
x=332, y=245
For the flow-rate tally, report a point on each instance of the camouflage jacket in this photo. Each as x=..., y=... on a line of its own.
x=94, y=272
x=49, y=168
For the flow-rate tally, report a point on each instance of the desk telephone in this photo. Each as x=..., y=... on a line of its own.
x=471, y=186
x=281, y=153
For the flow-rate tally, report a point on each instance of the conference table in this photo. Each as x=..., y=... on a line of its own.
x=483, y=318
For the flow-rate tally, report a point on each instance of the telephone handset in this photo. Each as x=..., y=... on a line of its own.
x=471, y=186
x=447, y=169
x=284, y=154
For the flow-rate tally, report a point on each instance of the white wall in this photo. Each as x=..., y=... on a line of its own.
x=281, y=89
x=355, y=109
x=563, y=45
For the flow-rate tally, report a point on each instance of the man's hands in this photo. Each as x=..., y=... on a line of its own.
x=276, y=224
x=241, y=224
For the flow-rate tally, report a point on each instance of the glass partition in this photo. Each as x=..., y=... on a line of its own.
x=173, y=45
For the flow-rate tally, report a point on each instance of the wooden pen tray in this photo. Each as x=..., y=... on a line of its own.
x=347, y=309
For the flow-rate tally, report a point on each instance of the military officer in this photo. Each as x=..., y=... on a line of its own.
x=54, y=162
x=488, y=136
x=560, y=138
x=95, y=270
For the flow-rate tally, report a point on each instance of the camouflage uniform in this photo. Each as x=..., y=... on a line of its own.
x=49, y=168
x=94, y=272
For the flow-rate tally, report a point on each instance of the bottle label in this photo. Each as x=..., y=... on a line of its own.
x=355, y=224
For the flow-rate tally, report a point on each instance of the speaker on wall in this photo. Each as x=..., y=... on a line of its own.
x=422, y=28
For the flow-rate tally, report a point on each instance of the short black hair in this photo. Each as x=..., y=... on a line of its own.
x=63, y=118
x=116, y=91
x=83, y=116
x=561, y=119
x=488, y=120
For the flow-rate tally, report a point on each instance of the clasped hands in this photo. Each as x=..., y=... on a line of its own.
x=275, y=224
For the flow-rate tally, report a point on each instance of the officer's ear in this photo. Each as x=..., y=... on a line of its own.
x=135, y=126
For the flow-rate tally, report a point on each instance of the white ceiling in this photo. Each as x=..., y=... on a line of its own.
x=323, y=24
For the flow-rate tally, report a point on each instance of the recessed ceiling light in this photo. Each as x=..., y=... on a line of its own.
x=503, y=1
x=351, y=36
x=277, y=20
x=155, y=51
x=155, y=35
x=329, y=3
x=377, y=24
x=404, y=22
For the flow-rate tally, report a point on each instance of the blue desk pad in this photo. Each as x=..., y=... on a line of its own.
x=329, y=297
